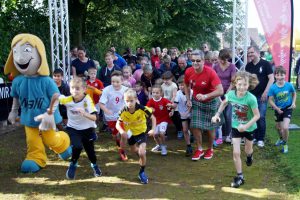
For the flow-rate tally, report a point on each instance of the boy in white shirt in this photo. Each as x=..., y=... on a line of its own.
x=81, y=125
x=111, y=102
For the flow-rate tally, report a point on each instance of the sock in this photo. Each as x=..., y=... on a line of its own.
x=249, y=155
x=240, y=175
x=200, y=149
x=142, y=169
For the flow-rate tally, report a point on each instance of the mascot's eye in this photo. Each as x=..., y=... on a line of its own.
x=14, y=50
x=27, y=49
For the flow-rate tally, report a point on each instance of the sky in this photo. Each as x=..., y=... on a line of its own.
x=254, y=21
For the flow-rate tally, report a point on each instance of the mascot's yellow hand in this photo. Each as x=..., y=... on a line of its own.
x=47, y=122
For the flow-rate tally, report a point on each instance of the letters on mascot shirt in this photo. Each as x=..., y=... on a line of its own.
x=34, y=94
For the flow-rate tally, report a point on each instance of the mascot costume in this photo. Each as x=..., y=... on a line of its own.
x=32, y=89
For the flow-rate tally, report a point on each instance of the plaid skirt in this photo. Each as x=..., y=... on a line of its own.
x=203, y=112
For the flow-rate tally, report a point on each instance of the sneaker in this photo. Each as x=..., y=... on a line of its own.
x=208, y=154
x=237, y=182
x=157, y=148
x=143, y=178
x=219, y=141
x=198, y=154
x=260, y=143
x=189, y=151
x=285, y=149
x=71, y=171
x=228, y=139
x=249, y=160
x=279, y=142
x=164, y=151
x=123, y=155
x=180, y=135
x=96, y=169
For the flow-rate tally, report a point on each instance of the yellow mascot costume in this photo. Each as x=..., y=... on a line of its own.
x=32, y=89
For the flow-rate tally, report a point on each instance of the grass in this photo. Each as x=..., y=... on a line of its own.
x=272, y=175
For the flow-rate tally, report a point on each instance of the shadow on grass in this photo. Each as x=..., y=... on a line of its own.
x=171, y=177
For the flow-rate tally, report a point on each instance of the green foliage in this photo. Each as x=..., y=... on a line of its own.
x=24, y=16
x=98, y=24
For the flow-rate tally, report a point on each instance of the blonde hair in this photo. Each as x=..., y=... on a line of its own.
x=243, y=75
x=130, y=93
x=127, y=67
x=34, y=41
x=78, y=81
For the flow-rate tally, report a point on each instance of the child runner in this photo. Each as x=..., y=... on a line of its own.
x=127, y=76
x=282, y=97
x=244, y=116
x=94, y=87
x=142, y=97
x=81, y=125
x=111, y=102
x=162, y=112
x=170, y=89
x=185, y=114
x=132, y=124
x=64, y=89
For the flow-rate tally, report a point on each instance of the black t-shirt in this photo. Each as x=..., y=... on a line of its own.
x=262, y=69
x=81, y=67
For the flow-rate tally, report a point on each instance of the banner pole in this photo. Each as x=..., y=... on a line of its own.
x=291, y=41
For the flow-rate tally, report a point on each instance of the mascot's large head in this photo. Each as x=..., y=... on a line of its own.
x=27, y=56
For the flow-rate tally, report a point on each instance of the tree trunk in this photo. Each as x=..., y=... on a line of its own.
x=77, y=13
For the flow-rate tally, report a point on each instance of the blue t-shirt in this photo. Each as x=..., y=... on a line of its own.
x=34, y=95
x=282, y=95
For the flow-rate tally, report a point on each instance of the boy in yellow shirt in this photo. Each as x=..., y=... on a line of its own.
x=132, y=125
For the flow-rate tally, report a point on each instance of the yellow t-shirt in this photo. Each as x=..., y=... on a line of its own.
x=135, y=122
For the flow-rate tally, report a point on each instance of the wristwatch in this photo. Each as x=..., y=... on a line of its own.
x=205, y=96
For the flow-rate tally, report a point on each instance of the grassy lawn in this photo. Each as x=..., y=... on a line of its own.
x=272, y=175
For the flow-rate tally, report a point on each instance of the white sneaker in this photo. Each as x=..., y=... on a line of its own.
x=260, y=143
x=157, y=148
x=164, y=151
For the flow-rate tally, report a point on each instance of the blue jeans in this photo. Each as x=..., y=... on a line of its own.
x=260, y=132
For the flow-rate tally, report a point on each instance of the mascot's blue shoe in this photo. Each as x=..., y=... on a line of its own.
x=29, y=166
x=66, y=154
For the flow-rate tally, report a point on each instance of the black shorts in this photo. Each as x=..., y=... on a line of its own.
x=236, y=134
x=287, y=113
x=188, y=120
x=139, y=139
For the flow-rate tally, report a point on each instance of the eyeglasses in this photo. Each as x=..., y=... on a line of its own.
x=198, y=60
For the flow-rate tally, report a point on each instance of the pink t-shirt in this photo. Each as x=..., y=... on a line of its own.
x=225, y=75
x=137, y=74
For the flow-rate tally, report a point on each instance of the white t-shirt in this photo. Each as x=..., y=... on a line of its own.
x=168, y=90
x=113, y=101
x=75, y=120
x=181, y=101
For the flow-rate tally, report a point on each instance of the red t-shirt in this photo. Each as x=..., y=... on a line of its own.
x=96, y=84
x=201, y=83
x=161, y=112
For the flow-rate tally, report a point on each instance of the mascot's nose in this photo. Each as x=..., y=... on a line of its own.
x=19, y=58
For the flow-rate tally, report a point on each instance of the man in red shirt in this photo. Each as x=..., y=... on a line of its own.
x=206, y=87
